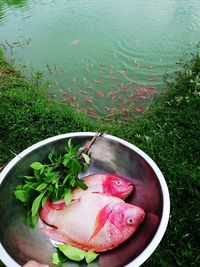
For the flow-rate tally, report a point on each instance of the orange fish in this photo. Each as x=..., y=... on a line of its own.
x=88, y=100
x=64, y=94
x=100, y=94
x=112, y=94
x=139, y=110
x=125, y=88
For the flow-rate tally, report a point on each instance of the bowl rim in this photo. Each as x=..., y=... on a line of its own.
x=146, y=253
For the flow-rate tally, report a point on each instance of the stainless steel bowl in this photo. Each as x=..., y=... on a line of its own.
x=110, y=154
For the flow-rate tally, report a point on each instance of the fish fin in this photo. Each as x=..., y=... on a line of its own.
x=44, y=212
x=101, y=219
x=58, y=206
x=53, y=233
x=62, y=205
x=153, y=217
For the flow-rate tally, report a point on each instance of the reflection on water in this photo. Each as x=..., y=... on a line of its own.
x=107, y=55
x=4, y=4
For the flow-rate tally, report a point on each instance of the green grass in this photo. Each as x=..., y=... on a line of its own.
x=168, y=133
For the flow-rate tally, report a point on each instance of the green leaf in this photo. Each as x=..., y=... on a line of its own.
x=86, y=158
x=37, y=174
x=35, y=219
x=42, y=170
x=55, y=258
x=90, y=256
x=66, y=179
x=69, y=144
x=36, y=204
x=68, y=197
x=32, y=185
x=32, y=220
x=50, y=189
x=51, y=155
x=72, y=253
x=19, y=186
x=51, y=177
x=80, y=183
x=66, y=161
x=36, y=166
x=41, y=187
x=74, y=150
x=21, y=195
x=58, y=258
x=44, y=200
x=27, y=177
x=72, y=181
x=76, y=167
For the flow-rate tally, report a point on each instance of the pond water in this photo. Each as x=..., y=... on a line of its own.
x=109, y=54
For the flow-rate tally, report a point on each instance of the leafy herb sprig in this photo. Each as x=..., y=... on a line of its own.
x=54, y=180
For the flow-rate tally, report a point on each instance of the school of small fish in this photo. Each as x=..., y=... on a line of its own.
x=98, y=218
x=114, y=93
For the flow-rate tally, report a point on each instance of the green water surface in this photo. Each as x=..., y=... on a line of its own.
x=108, y=53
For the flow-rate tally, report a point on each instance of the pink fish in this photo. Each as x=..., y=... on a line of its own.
x=125, y=88
x=112, y=94
x=108, y=184
x=64, y=94
x=88, y=100
x=139, y=110
x=94, y=222
x=100, y=94
x=93, y=114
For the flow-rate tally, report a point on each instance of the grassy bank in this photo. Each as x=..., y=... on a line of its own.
x=168, y=133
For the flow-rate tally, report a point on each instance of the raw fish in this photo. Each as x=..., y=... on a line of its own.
x=94, y=222
x=108, y=184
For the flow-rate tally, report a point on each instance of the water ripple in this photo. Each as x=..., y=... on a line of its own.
x=140, y=39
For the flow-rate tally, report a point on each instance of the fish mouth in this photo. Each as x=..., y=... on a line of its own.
x=128, y=191
x=141, y=214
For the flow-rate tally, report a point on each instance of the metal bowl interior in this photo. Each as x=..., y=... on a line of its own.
x=19, y=243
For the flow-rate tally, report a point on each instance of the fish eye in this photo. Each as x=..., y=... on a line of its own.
x=130, y=220
x=118, y=182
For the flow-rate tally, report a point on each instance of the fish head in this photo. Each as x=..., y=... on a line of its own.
x=126, y=218
x=117, y=186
